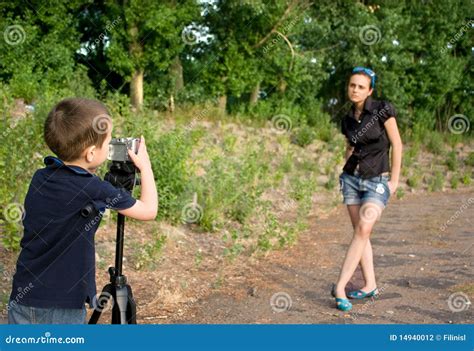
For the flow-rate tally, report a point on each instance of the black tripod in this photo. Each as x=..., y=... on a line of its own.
x=122, y=175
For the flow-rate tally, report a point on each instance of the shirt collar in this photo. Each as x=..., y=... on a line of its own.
x=54, y=162
x=368, y=105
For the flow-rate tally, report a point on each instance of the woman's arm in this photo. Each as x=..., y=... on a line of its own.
x=396, y=142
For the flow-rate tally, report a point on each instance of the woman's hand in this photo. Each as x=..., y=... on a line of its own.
x=392, y=186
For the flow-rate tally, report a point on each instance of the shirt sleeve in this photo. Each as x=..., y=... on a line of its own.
x=387, y=111
x=112, y=197
x=343, y=126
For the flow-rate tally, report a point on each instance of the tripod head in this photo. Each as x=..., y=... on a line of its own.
x=122, y=175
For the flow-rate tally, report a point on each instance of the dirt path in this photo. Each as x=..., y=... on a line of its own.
x=418, y=266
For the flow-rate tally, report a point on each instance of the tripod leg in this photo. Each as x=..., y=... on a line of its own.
x=107, y=292
x=122, y=299
x=131, y=307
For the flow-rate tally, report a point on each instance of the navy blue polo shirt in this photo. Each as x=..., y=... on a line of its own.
x=56, y=264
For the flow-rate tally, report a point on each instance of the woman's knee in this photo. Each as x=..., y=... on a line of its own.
x=363, y=231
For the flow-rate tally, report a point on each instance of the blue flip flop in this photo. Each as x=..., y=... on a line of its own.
x=359, y=294
x=343, y=304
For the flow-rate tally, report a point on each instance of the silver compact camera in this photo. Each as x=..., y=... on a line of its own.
x=118, y=149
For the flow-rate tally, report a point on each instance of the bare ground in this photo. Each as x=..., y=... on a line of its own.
x=418, y=266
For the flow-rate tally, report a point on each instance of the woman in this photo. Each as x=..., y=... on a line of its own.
x=370, y=128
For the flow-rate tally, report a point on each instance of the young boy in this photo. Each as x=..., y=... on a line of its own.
x=55, y=273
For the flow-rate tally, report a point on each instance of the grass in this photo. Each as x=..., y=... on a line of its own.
x=452, y=161
x=146, y=256
x=436, y=182
x=228, y=165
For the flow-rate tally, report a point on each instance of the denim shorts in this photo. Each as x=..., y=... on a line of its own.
x=357, y=190
x=21, y=314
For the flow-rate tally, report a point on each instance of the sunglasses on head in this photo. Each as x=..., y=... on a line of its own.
x=368, y=72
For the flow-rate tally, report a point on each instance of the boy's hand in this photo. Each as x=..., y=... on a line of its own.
x=141, y=158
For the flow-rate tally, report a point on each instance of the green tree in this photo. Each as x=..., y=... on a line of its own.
x=146, y=37
x=38, y=47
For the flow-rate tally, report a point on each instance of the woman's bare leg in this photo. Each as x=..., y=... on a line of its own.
x=354, y=254
x=367, y=261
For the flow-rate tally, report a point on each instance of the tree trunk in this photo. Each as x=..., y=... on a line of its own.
x=222, y=103
x=136, y=89
x=282, y=86
x=176, y=71
x=254, y=95
x=136, y=85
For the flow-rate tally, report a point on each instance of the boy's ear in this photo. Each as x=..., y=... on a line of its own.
x=90, y=152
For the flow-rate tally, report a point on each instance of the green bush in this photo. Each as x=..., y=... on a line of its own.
x=451, y=161
x=169, y=154
x=303, y=136
x=470, y=159
x=20, y=157
x=436, y=182
x=435, y=143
